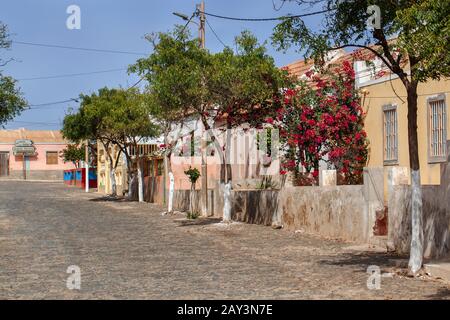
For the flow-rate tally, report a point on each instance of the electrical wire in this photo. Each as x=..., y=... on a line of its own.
x=269, y=19
x=215, y=34
x=182, y=31
x=280, y=7
x=71, y=75
x=38, y=123
x=53, y=103
x=78, y=48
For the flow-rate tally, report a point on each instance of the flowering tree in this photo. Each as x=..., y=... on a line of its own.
x=421, y=31
x=322, y=119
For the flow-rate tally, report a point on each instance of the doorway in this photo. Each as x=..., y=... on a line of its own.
x=4, y=163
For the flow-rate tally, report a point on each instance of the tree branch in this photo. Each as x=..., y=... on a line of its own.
x=379, y=35
x=386, y=62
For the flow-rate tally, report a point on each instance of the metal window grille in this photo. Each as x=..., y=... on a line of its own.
x=390, y=134
x=437, y=128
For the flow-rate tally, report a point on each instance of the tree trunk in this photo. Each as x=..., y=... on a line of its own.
x=192, y=199
x=204, y=168
x=140, y=180
x=226, y=201
x=171, y=191
x=416, y=253
x=168, y=170
x=130, y=185
x=112, y=177
x=228, y=178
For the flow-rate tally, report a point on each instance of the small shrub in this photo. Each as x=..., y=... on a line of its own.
x=193, y=174
x=267, y=184
x=192, y=215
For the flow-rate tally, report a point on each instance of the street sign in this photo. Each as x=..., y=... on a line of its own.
x=24, y=143
x=24, y=147
x=24, y=151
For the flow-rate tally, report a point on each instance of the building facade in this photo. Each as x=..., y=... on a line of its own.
x=386, y=122
x=151, y=165
x=32, y=155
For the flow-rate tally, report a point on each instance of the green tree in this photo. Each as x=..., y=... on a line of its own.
x=186, y=80
x=91, y=122
x=420, y=52
x=176, y=73
x=114, y=117
x=131, y=123
x=12, y=102
x=243, y=86
x=73, y=153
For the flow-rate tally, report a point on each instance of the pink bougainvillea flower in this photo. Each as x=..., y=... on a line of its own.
x=269, y=120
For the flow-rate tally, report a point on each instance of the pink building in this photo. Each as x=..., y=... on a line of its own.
x=32, y=154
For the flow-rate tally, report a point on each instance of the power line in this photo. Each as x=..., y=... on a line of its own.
x=280, y=7
x=182, y=31
x=72, y=75
x=78, y=48
x=53, y=103
x=137, y=82
x=269, y=19
x=215, y=34
x=38, y=123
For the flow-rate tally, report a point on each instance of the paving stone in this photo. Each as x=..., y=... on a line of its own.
x=128, y=250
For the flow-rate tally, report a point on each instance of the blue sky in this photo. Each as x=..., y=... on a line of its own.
x=112, y=25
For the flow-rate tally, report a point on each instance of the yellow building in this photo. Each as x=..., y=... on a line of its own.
x=151, y=165
x=384, y=101
x=103, y=169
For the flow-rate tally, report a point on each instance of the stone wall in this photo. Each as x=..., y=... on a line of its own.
x=37, y=175
x=334, y=211
x=435, y=208
x=436, y=220
x=345, y=212
x=181, y=200
x=254, y=206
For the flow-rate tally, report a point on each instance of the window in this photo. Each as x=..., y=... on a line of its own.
x=160, y=167
x=390, y=134
x=143, y=149
x=52, y=157
x=437, y=129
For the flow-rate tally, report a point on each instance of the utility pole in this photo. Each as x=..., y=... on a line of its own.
x=204, y=145
x=86, y=160
x=201, y=27
x=200, y=13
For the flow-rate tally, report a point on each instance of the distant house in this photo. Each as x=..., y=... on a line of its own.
x=32, y=154
x=152, y=166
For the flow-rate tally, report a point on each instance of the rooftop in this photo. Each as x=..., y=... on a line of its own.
x=37, y=136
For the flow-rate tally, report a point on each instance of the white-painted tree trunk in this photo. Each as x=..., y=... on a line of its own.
x=226, y=201
x=112, y=177
x=192, y=199
x=131, y=178
x=140, y=181
x=416, y=253
x=171, y=190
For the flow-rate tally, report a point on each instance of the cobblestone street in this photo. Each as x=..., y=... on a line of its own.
x=128, y=250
